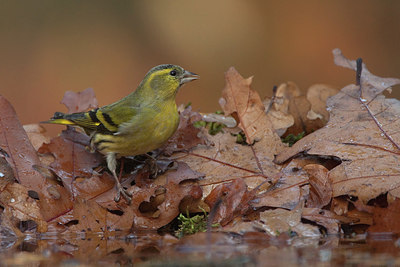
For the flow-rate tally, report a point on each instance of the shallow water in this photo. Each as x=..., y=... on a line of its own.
x=216, y=249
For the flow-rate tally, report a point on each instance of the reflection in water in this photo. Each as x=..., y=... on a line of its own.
x=217, y=249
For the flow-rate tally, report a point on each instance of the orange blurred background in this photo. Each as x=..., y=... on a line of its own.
x=48, y=47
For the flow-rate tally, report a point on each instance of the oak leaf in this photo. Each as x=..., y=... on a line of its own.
x=357, y=134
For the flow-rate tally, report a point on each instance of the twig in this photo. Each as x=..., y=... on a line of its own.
x=227, y=164
x=363, y=102
x=372, y=146
x=366, y=177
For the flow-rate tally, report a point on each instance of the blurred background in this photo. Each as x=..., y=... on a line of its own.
x=48, y=47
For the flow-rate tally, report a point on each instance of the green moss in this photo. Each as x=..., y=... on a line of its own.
x=291, y=139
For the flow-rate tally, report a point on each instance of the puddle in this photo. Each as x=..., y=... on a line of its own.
x=216, y=249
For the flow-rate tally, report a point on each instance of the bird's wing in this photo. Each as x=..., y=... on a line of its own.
x=142, y=121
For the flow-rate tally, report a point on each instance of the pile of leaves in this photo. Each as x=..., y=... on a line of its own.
x=342, y=177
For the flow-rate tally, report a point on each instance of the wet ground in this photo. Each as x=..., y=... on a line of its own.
x=216, y=249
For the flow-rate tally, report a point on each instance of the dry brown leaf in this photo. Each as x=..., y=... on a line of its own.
x=299, y=108
x=386, y=219
x=6, y=173
x=186, y=136
x=326, y=218
x=229, y=200
x=280, y=221
x=36, y=135
x=287, y=192
x=80, y=101
x=239, y=100
x=19, y=206
x=320, y=188
x=317, y=95
x=20, y=153
x=377, y=84
x=72, y=159
x=227, y=161
x=89, y=188
x=91, y=217
x=278, y=112
x=369, y=160
x=280, y=121
x=339, y=205
x=22, y=157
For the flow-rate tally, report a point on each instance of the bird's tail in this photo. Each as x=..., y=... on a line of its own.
x=81, y=119
x=61, y=118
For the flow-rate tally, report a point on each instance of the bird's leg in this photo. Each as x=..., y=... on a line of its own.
x=153, y=165
x=112, y=165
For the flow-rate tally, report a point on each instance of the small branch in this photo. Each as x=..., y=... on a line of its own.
x=380, y=126
x=366, y=177
x=257, y=160
x=275, y=189
x=363, y=102
x=358, y=75
x=227, y=164
x=373, y=147
x=273, y=98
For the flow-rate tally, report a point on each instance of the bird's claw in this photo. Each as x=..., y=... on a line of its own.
x=125, y=194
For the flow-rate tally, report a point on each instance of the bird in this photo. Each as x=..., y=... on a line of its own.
x=138, y=123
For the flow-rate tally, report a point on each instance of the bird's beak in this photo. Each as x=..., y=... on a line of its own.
x=189, y=76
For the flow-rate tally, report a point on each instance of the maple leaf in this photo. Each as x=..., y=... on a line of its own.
x=357, y=133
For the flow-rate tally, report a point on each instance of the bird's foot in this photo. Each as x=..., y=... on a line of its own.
x=122, y=191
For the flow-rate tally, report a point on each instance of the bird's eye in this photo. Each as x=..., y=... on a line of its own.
x=172, y=73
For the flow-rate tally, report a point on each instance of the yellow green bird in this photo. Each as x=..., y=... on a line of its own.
x=138, y=123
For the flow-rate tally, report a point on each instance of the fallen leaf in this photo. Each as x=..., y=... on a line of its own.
x=339, y=206
x=6, y=173
x=228, y=201
x=72, y=159
x=299, y=108
x=22, y=157
x=226, y=161
x=153, y=205
x=186, y=136
x=326, y=218
x=369, y=159
x=376, y=84
x=386, y=219
x=18, y=206
x=317, y=95
x=19, y=152
x=320, y=188
x=80, y=101
x=279, y=221
x=238, y=99
x=278, y=111
x=91, y=217
x=287, y=192
x=36, y=135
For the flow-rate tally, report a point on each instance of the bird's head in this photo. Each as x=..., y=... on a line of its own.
x=165, y=80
